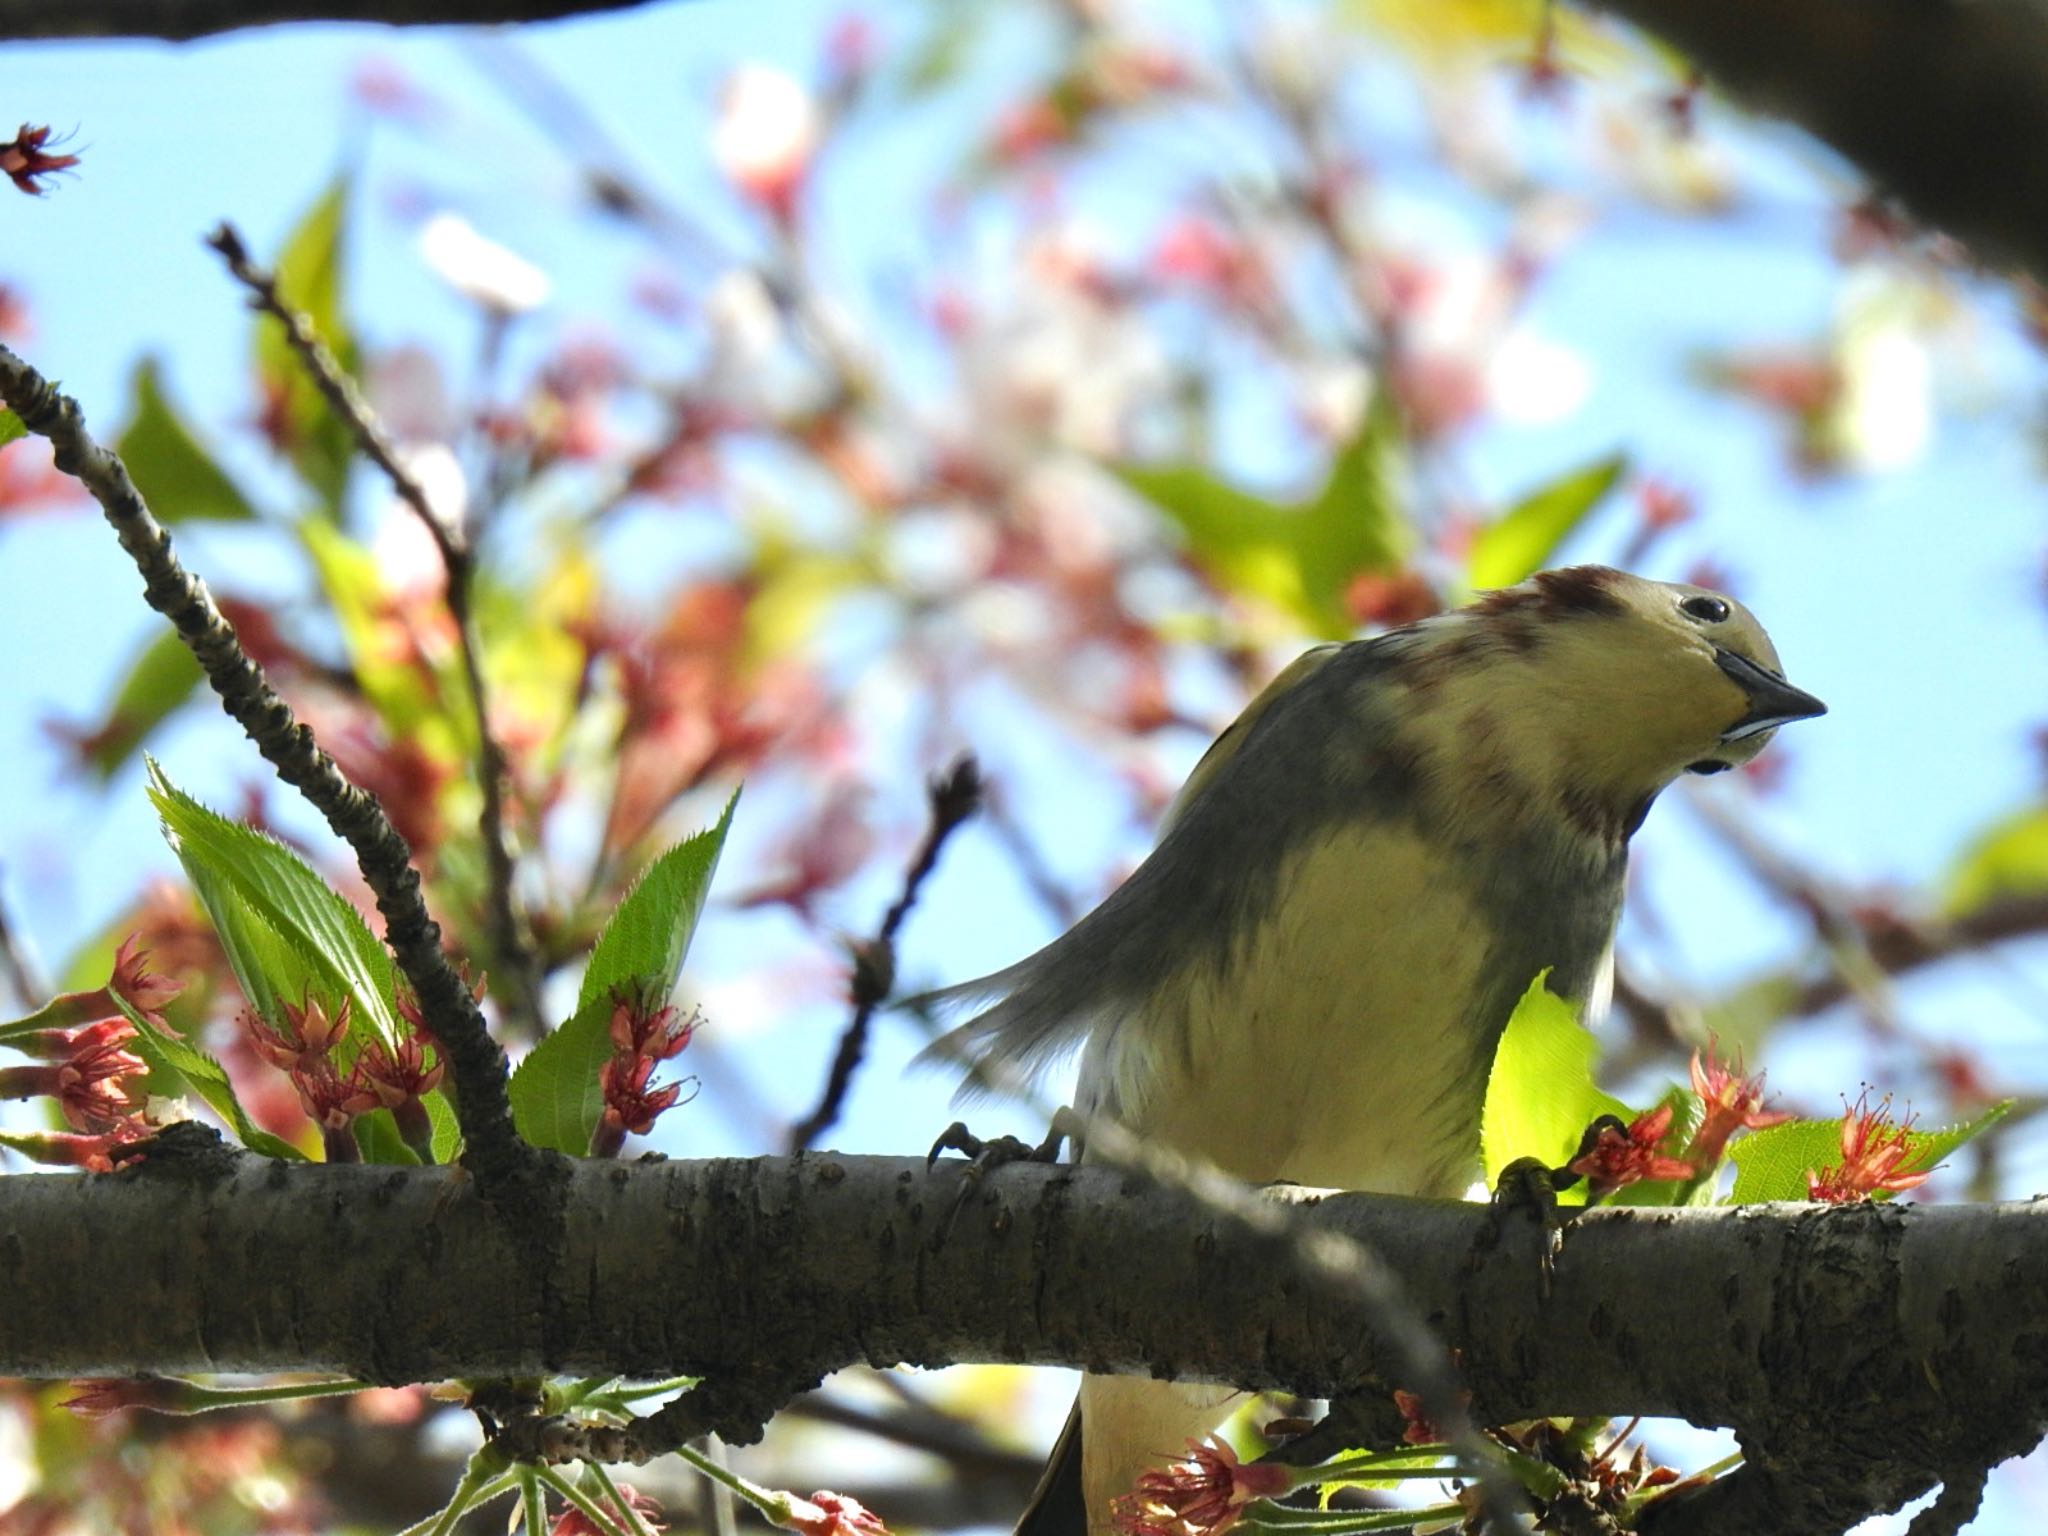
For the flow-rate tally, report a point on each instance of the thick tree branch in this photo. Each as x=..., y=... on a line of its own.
x=1943, y=105
x=1862, y=1353
x=181, y=20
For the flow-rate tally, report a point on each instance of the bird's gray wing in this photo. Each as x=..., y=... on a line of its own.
x=1220, y=847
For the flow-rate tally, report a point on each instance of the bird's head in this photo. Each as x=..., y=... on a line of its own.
x=1611, y=685
x=1652, y=679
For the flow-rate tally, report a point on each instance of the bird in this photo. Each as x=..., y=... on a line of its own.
x=1306, y=978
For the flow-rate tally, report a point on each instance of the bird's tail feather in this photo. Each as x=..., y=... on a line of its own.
x=1057, y=1507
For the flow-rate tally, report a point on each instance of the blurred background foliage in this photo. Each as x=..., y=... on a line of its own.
x=830, y=391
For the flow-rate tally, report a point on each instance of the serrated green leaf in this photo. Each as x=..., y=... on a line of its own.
x=177, y=1060
x=176, y=476
x=556, y=1097
x=1521, y=540
x=1300, y=557
x=1540, y=1095
x=291, y=926
x=309, y=279
x=11, y=427
x=158, y=683
x=644, y=943
x=2009, y=859
x=1772, y=1164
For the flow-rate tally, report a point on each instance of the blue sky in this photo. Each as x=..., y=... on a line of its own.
x=1909, y=600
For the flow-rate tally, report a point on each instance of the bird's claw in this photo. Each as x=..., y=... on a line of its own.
x=1530, y=1185
x=983, y=1158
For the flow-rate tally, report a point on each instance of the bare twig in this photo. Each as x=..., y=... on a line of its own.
x=955, y=796
x=513, y=956
x=493, y=1146
x=24, y=977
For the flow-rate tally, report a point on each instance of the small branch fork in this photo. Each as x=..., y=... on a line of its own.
x=514, y=956
x=955, y=796
x=495, y=1151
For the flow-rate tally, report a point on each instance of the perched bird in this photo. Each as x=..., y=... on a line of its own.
x=1307, y=977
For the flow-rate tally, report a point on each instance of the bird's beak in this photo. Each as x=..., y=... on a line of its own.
x=1772, y=701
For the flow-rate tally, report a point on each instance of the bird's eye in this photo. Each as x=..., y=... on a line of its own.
x=1707, y=765
x=1708, y=610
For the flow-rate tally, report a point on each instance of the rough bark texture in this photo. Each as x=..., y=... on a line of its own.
x=1863, y=1353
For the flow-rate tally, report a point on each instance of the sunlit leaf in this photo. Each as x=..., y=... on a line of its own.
x=643, y=944
x=158, y=681
x=11, y=427
x=176, y=476
x=1772, y=1164
x=2008, y=860
x=1298, y=557
x=1522, y=539
x=291, y=926
x=309, y=279
x=1540, y=1095
x=556, y=1099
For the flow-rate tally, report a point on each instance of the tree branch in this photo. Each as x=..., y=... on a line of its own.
x=181, y=20
x=1862, y=1353
x=1943, y=105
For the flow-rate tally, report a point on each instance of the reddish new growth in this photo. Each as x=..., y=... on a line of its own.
x=832, y=1514
x=137, y=986
x=1733, y=1103
x=1620, y=1155
x=1418, y=1428
x=641, y=1036
x=382, y=1076
x=646, y=1511
x=24, y=158
x=1203, y=1494
x=1873, y=1150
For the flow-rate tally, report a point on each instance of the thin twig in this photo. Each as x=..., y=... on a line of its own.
x=955, y=796
x=513, y=955
x=494, y=1149
x=24, y=977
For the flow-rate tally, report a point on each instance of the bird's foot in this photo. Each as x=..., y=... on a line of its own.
x=1529, y=1186
x=984, y=1157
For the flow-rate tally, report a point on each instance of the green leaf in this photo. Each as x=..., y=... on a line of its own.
x=1772, y=1164
x=556, y=1098
x=158, y=683
x=1300, y=557
x=176, y=476
x=1521, y=541
x=1540, y=1096
x=173, y=1058
x=11, y=427
x=278, y=918
x=447, y=1133
x=378, y=1140
x=644, y=942
x=309, y=279
x=2008, y=860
